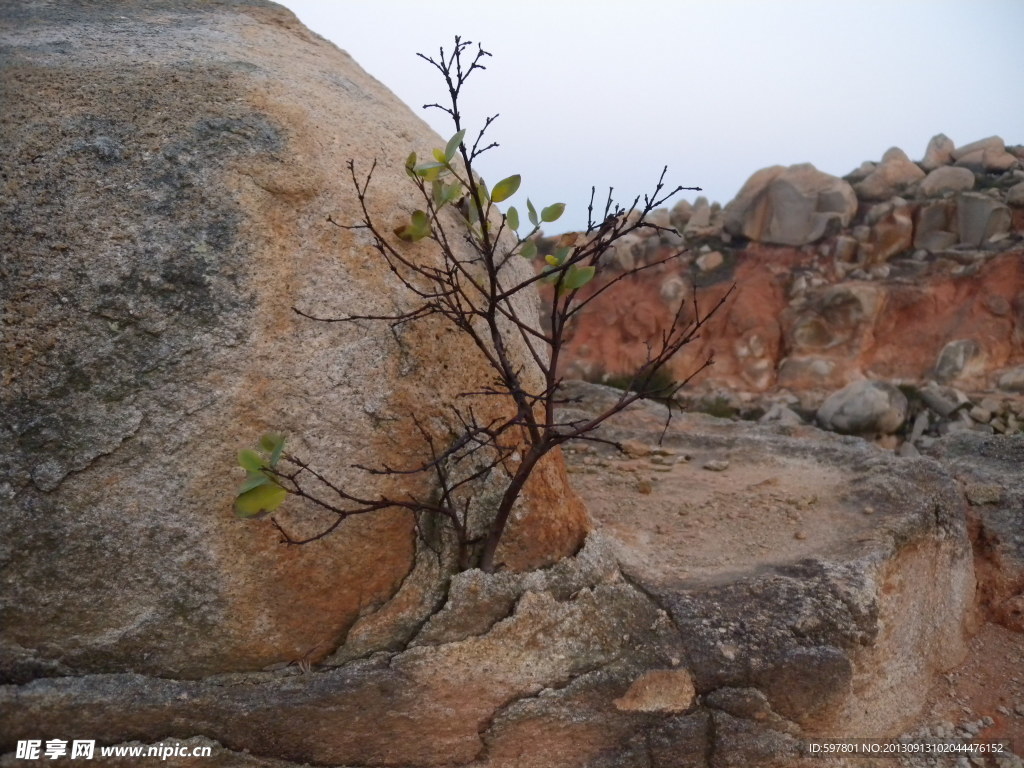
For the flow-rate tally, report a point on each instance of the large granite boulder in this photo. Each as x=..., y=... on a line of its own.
x=168, y=169
x=986, y=156
x=891, y=177
x=790, y=206
x=938, y=153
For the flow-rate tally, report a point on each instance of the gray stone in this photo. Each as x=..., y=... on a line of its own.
x=935, y=227
x=893, y=175
x=954, y=359
x=707, y=262
x=1015, y=195
x=681, y=213
x=845, y=248
x=781, y=414
x=1012, y=380
x=861, y=172
x=946, y=180
x=989, y=143
x=702, y=220
x=790, y=206
x=986, y=155
x=908, y=451
x=864, y=407
x=938, y=153
x=980, y=218
x=626, y=253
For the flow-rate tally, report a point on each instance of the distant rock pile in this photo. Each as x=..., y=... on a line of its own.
x=952, y=198
x=903, y=272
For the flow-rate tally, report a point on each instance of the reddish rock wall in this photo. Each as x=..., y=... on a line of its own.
x=928, y=285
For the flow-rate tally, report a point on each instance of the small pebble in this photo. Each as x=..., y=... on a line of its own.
x=716, y=465
x=800, y=535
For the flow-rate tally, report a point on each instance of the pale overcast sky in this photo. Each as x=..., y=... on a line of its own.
x=606, y=93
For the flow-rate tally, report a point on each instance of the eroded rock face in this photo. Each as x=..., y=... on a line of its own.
x=168, y=170
x=990, y=470
x=792, y=573
x=644, y=649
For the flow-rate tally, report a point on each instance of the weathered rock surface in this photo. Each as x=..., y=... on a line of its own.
x=790, y=206
x=891, y=177
x=686, y=659
x=985, y=155
x=864, y=408
x=946, y=180
x=991, y=471
x=786, y=572
x=168, y=169
x=939, y=152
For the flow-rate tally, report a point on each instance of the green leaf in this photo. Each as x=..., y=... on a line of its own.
x=512, y=217
x=532, y=213
x=260, y=500
x=253, y=480
x=250, y=460
x=452, y=192
x=469, y=210
x=505, y=188
x=273, y=442
x=552, y=212
x=553, y=260
x=529, y=249
x=551, y=275
x=437, y=193
x=440, y=156
x=577, y=277
x=429, y=171
x=453, y=145
x=417, y=228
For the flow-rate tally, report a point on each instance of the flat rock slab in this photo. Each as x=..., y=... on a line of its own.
x=830, y=577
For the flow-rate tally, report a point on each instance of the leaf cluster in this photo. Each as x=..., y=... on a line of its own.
x=260, y=493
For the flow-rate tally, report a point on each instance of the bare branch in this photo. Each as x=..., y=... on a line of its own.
x=461, y=275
